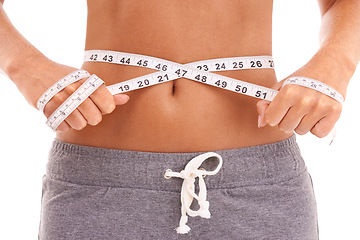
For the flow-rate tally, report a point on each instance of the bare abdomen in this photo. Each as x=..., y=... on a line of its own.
x=182, y=115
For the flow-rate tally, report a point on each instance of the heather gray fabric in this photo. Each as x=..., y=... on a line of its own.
x=261, y=192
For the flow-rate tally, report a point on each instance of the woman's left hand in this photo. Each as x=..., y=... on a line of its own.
x=300, y=109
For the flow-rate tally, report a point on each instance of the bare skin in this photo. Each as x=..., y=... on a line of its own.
x=186, y=116
x=182, y=115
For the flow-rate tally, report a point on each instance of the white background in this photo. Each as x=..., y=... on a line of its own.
x=57, y=28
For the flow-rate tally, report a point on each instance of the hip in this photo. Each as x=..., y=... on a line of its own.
x=265, y=164
x=258, y=192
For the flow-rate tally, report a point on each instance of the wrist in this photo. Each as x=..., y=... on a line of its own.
x=28, y=73
x=331, y=67
x=335, y=63
x=44, y=73
x=22, y=68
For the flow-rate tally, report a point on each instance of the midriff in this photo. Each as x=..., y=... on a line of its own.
x=182, y=115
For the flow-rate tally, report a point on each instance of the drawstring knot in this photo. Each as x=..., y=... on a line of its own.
x=190, y=172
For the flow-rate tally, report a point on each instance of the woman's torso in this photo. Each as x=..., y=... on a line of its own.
x=182, y=115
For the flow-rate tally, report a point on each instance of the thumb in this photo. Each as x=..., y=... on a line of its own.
x=262, y=105
x=121, y=99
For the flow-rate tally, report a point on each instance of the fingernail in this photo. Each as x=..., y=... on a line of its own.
x=121, y=99
x=63, y=129
x=261, y=122
x=272, y=124
x=126, y=98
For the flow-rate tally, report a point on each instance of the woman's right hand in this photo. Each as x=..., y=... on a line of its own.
x=33, y=74
x=99, y=103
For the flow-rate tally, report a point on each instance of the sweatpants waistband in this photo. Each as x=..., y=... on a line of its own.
x=256, y=165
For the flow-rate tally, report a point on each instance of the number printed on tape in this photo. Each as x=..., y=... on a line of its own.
x=200, y=71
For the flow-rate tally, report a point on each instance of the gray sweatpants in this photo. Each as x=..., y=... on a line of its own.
x=261, y=192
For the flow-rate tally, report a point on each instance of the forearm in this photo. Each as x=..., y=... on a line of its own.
x=18, y=57
x=301, y=109
x=339, y=40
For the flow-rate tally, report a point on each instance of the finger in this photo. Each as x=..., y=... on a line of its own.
x=76, y=120
x=86, y=112
x=326, y=124
x=121, y=99
x=278, y=108
x=308, y=122
x=292, y=119
x=325, y=108
x=63, y=127
x=261, y=106
x=103, y=99
x=324, y=127
x=90, y=112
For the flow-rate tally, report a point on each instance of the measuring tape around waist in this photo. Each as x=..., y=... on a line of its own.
x=199, y=71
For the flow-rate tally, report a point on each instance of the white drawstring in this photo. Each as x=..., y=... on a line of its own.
x=190, y=172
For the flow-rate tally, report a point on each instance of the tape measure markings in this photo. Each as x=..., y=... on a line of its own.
x=167, y=71
x=220, y=64
x=141, y=82
x=60, y=85
x=198, y=71
x=316, y=85
x=72, y=102
x=217, y=81
x=191, y=71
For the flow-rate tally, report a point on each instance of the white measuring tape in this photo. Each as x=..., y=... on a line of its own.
x=60, y=85
x=199, y=71
x=71, y=103
x=316, y=85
